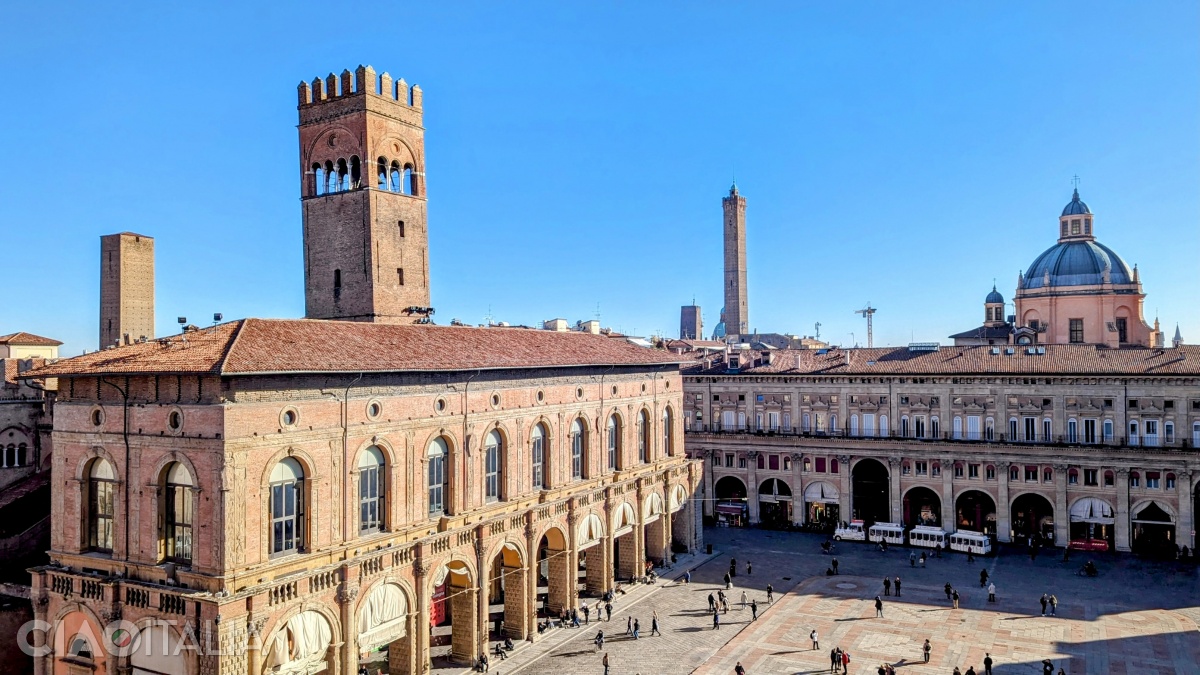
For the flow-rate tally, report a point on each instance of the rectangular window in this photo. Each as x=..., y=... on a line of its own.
x=972, y=427
x=1134, y=481
x=773, y=421
x=972, y=471
x=1108, y=479
x=919, y=426
x=922, y=468
x=741, y=462
x=716, y=460
x=491, y=473
x=1090, y=477
x=773, y=462
x=991, y=473
x=1031, y=474
x=787, y=463
x=1047, y=429
x=958, y=471
x=820, y=465
x=1169, y=432
x=868, y=424
x=1076, y=330
x=1122, y=330
x=1151, y=432
x=1089, y=431
x=729, y=461
x=1030, y=429
x=400, y=275
x=1072, y=478
x=1072, y=431
x=1152, y=478
x=762, y=461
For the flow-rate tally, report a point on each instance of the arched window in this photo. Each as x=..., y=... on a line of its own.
x=1014, y=473
x=643, y=437
x=935, y=427
x=438, y=482
x=883, y=425
x=577, y=449
x=381, y=168
x=806, y=423
x=493, y=453
x=355, y=173
x=854, y=425
x=956, y=427
x=343, y=176
x=410, y=180
x=668, y=434
x=287, y=507
x=904, y=425
x=80, y=648
x=178, y=488
x=537, y=456
x=371, y=482
x=330, y=178
x=101, y=508
x=394, y=177
x=989, y=429
x=614, y=443
x=318, y=179
x=833, y=427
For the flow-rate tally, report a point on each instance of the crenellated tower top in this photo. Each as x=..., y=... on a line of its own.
x=362, y=81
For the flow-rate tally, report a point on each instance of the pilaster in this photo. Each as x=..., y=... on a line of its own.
x=1062, y=516
x=1003, y=508
x=1121, y=537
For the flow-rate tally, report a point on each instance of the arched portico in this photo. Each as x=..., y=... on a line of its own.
x=975, y=510
x=1033, y=516
x=821, y=505
x=385, y=619
x=1153, y=527
x=554, y=567
x=731, y=493
x=507, y=593
x=775, y=503
x=591, y=542
x=626, y=558
x=922, y=506
x=870, y=491
x=454, y=603
x=655, y=528
x=1092, y=524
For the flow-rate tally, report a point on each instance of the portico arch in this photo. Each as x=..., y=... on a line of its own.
x=300, y=644
x=1033, y=515
x=554, y=567
x=625, y=545
x=159, y=650
x=507, y=592
x=821, y=505
x=922, y=506
x=454, y=603
x=590, y=542
x=655, y=526
x=1092, y=524
x=975, y=510
x=730, y=508
x=870, y=491
x=775, y=503
x=385, y=619
x=1153, y=528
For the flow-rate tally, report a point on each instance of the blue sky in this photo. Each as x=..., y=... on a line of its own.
x=577, y=153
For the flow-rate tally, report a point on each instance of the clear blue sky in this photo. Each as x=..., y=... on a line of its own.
x=577, y=154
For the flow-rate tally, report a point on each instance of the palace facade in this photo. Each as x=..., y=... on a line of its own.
x=1081, y=444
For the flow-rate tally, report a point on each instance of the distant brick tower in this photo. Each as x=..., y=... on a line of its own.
x=362, y=165
x=737, y=312
x=690, y=325
x=126, y=288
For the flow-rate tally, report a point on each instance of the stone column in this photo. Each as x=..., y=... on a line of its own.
x=627, y=555
x=464, y=628
x=516, y=603
x=1187, y=519
x=1062, y=516
x=752, y=484
x=597, y=568
x=948, y=524
x=1003, y=510
x=345, y=597
x=483, y=583
x=531, y=582
x=558, y=592
x=709, y=498
x=573, y=557
x=895, y=490
x=1122, y=538
x=845, y=498
x=422, y=610
x=400, y=651
x=799, y=512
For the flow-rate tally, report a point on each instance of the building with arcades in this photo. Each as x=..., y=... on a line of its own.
x=1081, y=444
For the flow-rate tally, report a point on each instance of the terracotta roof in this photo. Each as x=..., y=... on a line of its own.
x=250, y=346
x=28, y=340
x=1058, y=360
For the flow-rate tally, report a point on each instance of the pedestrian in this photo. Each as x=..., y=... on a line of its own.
x=926, y=649
x=770, y=594
x=938, y=550
x=720, y=596
x=1053, y=604
x=728, y=581
x=970, y=670
x=733, y=567
x=738, y=669
x=716, y=621
x=599, y=641
x=608, y=610
x=948, y=588
x=922, y=558
x=725, y=606
x=992, y=592
x=970, y=559
x=1047, y=667
x=896, y=583
x=834, y=563
x=845, y=662
x=954, y=596
x=743, y=599
x=574, y=618
x=835, y=659
x=754, y=610
x=987, y=664
x=749, y=569
x=878, y=606
x=887, y=585
x=912, y=558
x=983, y=577
x=712, y=603
x=629, y=625
x=654, y=624
x=637, y=629
x=605, y=662
x=813, y=636
x=1045, y=601
x=587, y=613
x=687, y=577
x=957, y=671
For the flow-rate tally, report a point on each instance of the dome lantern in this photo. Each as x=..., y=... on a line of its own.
x=1075, y=223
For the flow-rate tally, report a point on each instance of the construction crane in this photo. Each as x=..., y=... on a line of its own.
x=867, y=312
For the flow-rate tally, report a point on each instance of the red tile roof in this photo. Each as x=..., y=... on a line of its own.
x=250, y=346
x=28, y=340
x=974, y=360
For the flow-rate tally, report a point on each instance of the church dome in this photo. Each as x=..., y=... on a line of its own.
x=1077, y=263
x=1076, y=207
x=994, y=297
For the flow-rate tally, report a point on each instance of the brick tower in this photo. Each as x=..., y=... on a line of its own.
x=126, y=288
x=737, y=312
x=362, y=167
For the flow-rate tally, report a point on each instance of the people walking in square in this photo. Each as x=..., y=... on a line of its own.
x=954, y=597
x=1045, y=601
x=629, y=625
x=637, y=629
x=720, y=598
x=983, y=577
x=604, y=661
x=1053, y=604
x=970, y=670
x=716, y=621
x=926, y=649
x=813, y=636
x=733, y=567
x=599, y=640
x=608, y=610
x=887, y=585
x=948, y=589
x=724, y=605
x=728, y=581
x=987, y=663
x=712, y=603
x=743, y=599
x=835, y=659
x=878, y=606
x=738, y=669
x=770, y=594
x=754, y=610
x=991, y=592
x=896, y=583
x=845, y=662
x=587, y=613
x=749, y=569
x=654, y=624
x=970, y=554
x=687, y=577
x=922, y=558
x=833, y=563
x=957, y=671
x=912, y=558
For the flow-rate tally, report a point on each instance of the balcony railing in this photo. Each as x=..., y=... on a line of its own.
x=1135, y=442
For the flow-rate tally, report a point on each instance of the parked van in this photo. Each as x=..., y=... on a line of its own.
x=975, y=542
x=926, y=536
x=853, y=531
x=892, y=533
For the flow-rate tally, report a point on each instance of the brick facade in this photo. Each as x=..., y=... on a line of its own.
x=126, y=288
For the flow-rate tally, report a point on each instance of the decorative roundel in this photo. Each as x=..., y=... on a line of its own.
x=289, y=417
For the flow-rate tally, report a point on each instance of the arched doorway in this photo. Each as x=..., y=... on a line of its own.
x=554, y=572
x=1033, y=516
x=1092, y=525
x=1153, y=530
x=775, y=504
x=871, y=501
x=975, y=511
x=654, y=531
x=922, y=506
x=590, y=538
x=821, y=506
x=300, y=645
x=507, y=599
x=384, y=617
x=625, y=554
x=454, y=606
x=731, y=508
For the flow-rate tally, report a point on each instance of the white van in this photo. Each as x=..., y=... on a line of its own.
x=926, y=536
x=853, y=531
x=892, y=533
x=975, y=542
